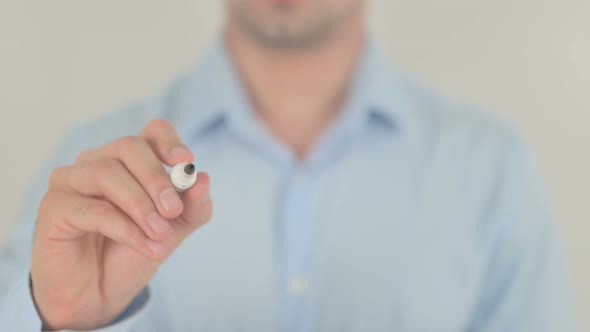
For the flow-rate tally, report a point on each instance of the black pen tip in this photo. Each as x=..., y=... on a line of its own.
x=189, y=169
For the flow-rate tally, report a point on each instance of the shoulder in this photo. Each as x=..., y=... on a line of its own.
x=466, y=151
x=453, y=128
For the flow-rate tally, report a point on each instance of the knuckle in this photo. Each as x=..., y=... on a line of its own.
x=56, y=176
x=48, y=201
x=99, y=210
x=156, y=180
x=130, y=232
x=157, y=125
x=160, y=182
x=127, y=143
x=140, y=207
x=85, y=155
x=131, y=235
x=107, y=167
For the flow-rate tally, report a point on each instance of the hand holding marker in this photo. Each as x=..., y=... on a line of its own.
x=85, y=271
x=183, y=176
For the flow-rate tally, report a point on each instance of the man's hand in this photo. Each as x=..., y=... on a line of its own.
x=107, y=222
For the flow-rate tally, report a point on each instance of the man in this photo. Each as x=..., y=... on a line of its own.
x=347, y=198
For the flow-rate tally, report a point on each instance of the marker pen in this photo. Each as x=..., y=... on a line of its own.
x=183, y=176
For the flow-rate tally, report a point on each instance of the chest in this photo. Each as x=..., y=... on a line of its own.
x=390, y=250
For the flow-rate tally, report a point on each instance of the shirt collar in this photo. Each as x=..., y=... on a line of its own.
x=207, y=95
x=212, y=92
x=376, y=93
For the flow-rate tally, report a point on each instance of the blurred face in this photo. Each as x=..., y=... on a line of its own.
x=292, y=23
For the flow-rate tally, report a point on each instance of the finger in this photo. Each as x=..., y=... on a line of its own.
x=161, y=135
x=198, y=207
x=71, y=216
x=141, y=161
x=198, y=211
x=109, y=179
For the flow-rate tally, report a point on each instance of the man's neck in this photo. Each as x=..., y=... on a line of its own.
x=297, y=93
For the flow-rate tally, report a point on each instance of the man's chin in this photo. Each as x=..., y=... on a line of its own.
x=288, y=30
x=289, y=35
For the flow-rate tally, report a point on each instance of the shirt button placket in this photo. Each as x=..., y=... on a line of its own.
x=298, y=235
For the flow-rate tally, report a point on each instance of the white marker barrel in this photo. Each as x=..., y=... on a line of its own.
x=183, y=176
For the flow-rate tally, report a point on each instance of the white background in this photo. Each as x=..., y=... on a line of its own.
x=66, y=61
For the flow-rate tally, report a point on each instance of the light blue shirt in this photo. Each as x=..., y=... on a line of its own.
x=412, y=213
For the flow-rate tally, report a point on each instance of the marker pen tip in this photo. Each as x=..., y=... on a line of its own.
x=189, y=169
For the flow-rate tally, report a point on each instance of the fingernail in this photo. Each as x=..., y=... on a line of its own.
x=179, y=151
x=158, y=224
x=155, y=247
x=170, y=200
x=205, y=199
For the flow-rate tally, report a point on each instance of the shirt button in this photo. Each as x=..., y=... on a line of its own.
x=297, y=286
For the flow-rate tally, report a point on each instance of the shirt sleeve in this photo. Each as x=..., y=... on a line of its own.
x=527, y=287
